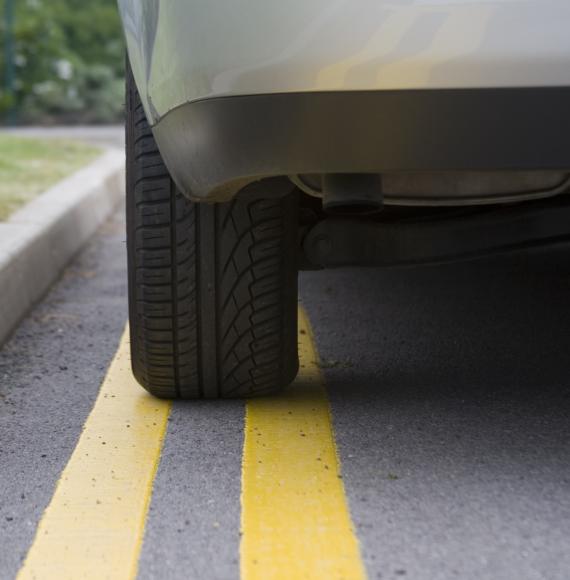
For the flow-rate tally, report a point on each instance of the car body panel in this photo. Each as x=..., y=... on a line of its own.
x=187, y=50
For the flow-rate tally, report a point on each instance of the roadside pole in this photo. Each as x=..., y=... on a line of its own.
x=9, y=59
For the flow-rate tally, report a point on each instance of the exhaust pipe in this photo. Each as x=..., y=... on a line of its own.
x=352, y=193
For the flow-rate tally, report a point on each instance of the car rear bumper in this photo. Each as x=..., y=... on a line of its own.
x=184, y=51
x=214, y=147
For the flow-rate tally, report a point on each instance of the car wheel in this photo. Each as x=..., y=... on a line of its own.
x=212, y=287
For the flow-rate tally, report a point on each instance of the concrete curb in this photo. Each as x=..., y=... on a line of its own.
x=38, y=241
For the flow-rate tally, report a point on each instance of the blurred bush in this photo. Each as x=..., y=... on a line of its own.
x=69, y=62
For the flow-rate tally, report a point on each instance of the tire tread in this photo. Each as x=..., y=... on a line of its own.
x=254, y=274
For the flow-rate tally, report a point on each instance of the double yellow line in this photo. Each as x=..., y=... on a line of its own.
x=295, y=519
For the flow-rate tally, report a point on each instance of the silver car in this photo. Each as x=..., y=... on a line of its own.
x=267, y=137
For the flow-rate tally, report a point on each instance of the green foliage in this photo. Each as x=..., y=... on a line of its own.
x=69, y=58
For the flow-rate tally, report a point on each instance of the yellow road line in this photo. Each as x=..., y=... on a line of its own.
x=295, y=518
x=94, y=525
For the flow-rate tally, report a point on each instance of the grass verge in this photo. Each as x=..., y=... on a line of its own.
x=29, y=166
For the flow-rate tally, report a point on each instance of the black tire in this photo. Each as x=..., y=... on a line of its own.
x=212, y=288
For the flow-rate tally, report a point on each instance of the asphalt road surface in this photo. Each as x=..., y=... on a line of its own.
x=450, y=395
